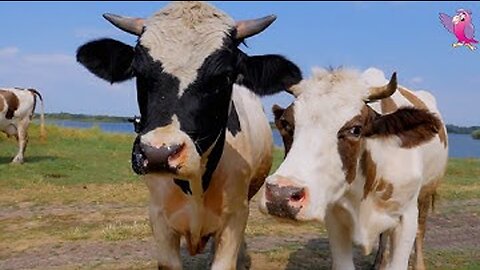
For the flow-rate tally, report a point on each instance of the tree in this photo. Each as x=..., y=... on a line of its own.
x=476, y=134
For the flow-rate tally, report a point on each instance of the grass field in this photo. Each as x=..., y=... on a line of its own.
x=76, y=204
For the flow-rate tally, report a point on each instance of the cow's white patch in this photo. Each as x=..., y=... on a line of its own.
x=182, y=35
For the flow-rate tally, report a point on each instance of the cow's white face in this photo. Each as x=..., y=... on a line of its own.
x=333, y=124
x=331, y=119
x=326, y=103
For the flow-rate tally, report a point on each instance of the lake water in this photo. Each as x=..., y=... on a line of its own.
x=460, y=145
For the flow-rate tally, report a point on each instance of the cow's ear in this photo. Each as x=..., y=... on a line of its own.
x=267, y=74
x=109, y=59
x=412, y=126
x=277, y=111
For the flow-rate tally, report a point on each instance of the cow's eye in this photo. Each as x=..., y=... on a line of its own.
x=355, y=131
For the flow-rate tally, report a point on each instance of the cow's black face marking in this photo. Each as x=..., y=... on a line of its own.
x=202, y=110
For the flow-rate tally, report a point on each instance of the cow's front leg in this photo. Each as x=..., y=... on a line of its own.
x=229, y=241
x=167, y=241
x=22, y=139
x=403, y=237
x=340, y=239
x=380, y=257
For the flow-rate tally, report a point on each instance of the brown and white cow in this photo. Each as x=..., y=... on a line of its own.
x=361, y=172
x=284, y=121
x=17, y=106
x=204, y=144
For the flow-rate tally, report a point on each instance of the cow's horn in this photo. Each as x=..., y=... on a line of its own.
x=248, y=28
x=376, y=93
x=128, y=24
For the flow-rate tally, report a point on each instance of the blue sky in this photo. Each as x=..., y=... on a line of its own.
x=39, y=41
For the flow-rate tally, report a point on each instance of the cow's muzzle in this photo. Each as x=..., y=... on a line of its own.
x=149, y=159
x=284, y=201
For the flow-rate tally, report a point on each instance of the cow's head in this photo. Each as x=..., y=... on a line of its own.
x=185, y=63
x=285, y=124
x=335, y=130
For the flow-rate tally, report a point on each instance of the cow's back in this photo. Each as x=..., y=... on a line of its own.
x=21, y=99
x=16, y=104
x=434, y=154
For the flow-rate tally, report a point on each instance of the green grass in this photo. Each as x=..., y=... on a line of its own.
x=462, y=179
x=69, y=156
x=454, y=259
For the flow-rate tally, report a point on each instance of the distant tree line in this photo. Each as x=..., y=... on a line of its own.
x=85, y=117
x=461, y=130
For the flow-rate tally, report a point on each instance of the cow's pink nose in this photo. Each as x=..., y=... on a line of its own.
x=284, y=201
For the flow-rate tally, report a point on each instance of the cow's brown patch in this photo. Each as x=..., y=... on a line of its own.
x=350, y=145
x=385, y=189
x=349, y=151
x=12, y=102
x=213, y=198
x=388, y=105
x=442, y=133
x=413, y=126
x=369, y=171
x=259, y=178
x=418, y=103
x=285, y=123
x=387, y=205
x=175, y=200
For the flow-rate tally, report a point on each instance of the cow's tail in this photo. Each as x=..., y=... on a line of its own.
x=43, y=132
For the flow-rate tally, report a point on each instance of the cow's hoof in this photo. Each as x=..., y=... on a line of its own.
x=17, y=161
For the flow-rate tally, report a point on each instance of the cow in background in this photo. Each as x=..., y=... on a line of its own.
x=17, y=106
x=409, y=130
x=204, y=145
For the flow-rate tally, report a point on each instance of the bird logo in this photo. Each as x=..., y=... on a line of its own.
x=462, y=27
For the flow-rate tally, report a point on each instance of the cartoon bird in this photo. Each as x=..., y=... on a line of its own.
x=461, y=26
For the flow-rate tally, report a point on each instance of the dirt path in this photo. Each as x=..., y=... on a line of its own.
x=455, y=228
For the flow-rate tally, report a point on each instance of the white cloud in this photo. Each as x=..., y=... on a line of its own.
x=65, y=85
x=416, y=80
x=8, y=52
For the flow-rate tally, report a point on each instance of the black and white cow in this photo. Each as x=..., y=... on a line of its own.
x=204, y=143
x=17, y=106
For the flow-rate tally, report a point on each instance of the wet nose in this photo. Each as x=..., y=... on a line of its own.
x=161, y=158
x=284, y=201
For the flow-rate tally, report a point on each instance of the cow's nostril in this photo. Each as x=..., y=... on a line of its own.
x=298, y=195
x=163, y=158
x=176, y=151
x=268, y=192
